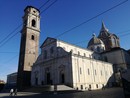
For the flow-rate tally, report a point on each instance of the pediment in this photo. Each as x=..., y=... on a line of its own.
x=48, y=41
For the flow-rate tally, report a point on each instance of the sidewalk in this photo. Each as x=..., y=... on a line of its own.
x=107, y=93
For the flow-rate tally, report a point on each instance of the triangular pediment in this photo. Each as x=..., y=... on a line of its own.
x=48, y=41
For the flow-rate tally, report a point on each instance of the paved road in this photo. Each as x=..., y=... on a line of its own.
x=107, y=93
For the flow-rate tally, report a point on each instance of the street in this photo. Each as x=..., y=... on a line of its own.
x=107, y=93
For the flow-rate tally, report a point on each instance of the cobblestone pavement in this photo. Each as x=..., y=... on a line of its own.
x=107, y=93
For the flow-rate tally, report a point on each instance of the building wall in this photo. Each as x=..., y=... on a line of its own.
x=54, y=67
x=74, y=62
x=12, y=79
x=29, y=45
x=74, y=49
x=117, y=58
x=87, y=71
x=31, y=50
x=121, y=61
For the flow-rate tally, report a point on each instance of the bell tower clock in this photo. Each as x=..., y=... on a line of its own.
x=29, y=45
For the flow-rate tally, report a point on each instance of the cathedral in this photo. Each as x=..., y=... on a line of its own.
x=99, y=65
x=64, y=63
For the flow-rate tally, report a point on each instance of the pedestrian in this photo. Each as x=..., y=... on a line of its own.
x=11, y=92
x=103, y=88
x=15, y=92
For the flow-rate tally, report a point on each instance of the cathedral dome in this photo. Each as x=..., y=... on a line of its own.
x=95, y=41
x=96, y=44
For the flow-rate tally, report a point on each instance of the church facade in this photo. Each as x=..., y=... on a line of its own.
x=64, y=63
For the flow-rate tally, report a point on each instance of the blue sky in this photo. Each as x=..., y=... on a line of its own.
x=60, y=17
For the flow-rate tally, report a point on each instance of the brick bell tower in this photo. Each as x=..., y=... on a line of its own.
x=29, y=45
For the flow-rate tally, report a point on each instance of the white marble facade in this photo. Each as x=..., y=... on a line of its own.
x=64, y=63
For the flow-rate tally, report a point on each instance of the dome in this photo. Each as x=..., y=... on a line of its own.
x=96, y=44
x=95, y=41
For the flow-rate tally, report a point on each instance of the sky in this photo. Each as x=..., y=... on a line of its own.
x=57, y=19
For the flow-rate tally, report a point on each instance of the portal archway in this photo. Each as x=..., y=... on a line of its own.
x=48, y=76
x=62, y=77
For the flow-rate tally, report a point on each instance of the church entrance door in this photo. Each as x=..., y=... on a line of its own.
x=48, y=78
x=62, y=78
x=36, y=81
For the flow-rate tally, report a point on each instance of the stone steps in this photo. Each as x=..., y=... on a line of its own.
x=46, y=88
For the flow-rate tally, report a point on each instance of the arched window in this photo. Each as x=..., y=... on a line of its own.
x=45, y=54
x=113, y=40
x=80, y=70
x=97, y=85
x=98, y=49
x=88, y=72
x=90, y=87
x=51, y=50
x=95, y=72
x=84, y=54
x=78, y=53
x=33, y=23
x=32, y=37
x=89, y=56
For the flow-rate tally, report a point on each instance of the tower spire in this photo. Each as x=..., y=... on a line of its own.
x=103, y=28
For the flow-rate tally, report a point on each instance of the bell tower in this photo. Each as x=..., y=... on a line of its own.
x=29, y=45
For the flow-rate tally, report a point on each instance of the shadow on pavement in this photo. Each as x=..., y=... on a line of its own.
x=107, y=93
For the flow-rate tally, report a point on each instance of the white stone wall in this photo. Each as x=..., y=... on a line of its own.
x=84, y=60
x=88, y=71
x=75, y=63
x=77, y=50
x=55, y=67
